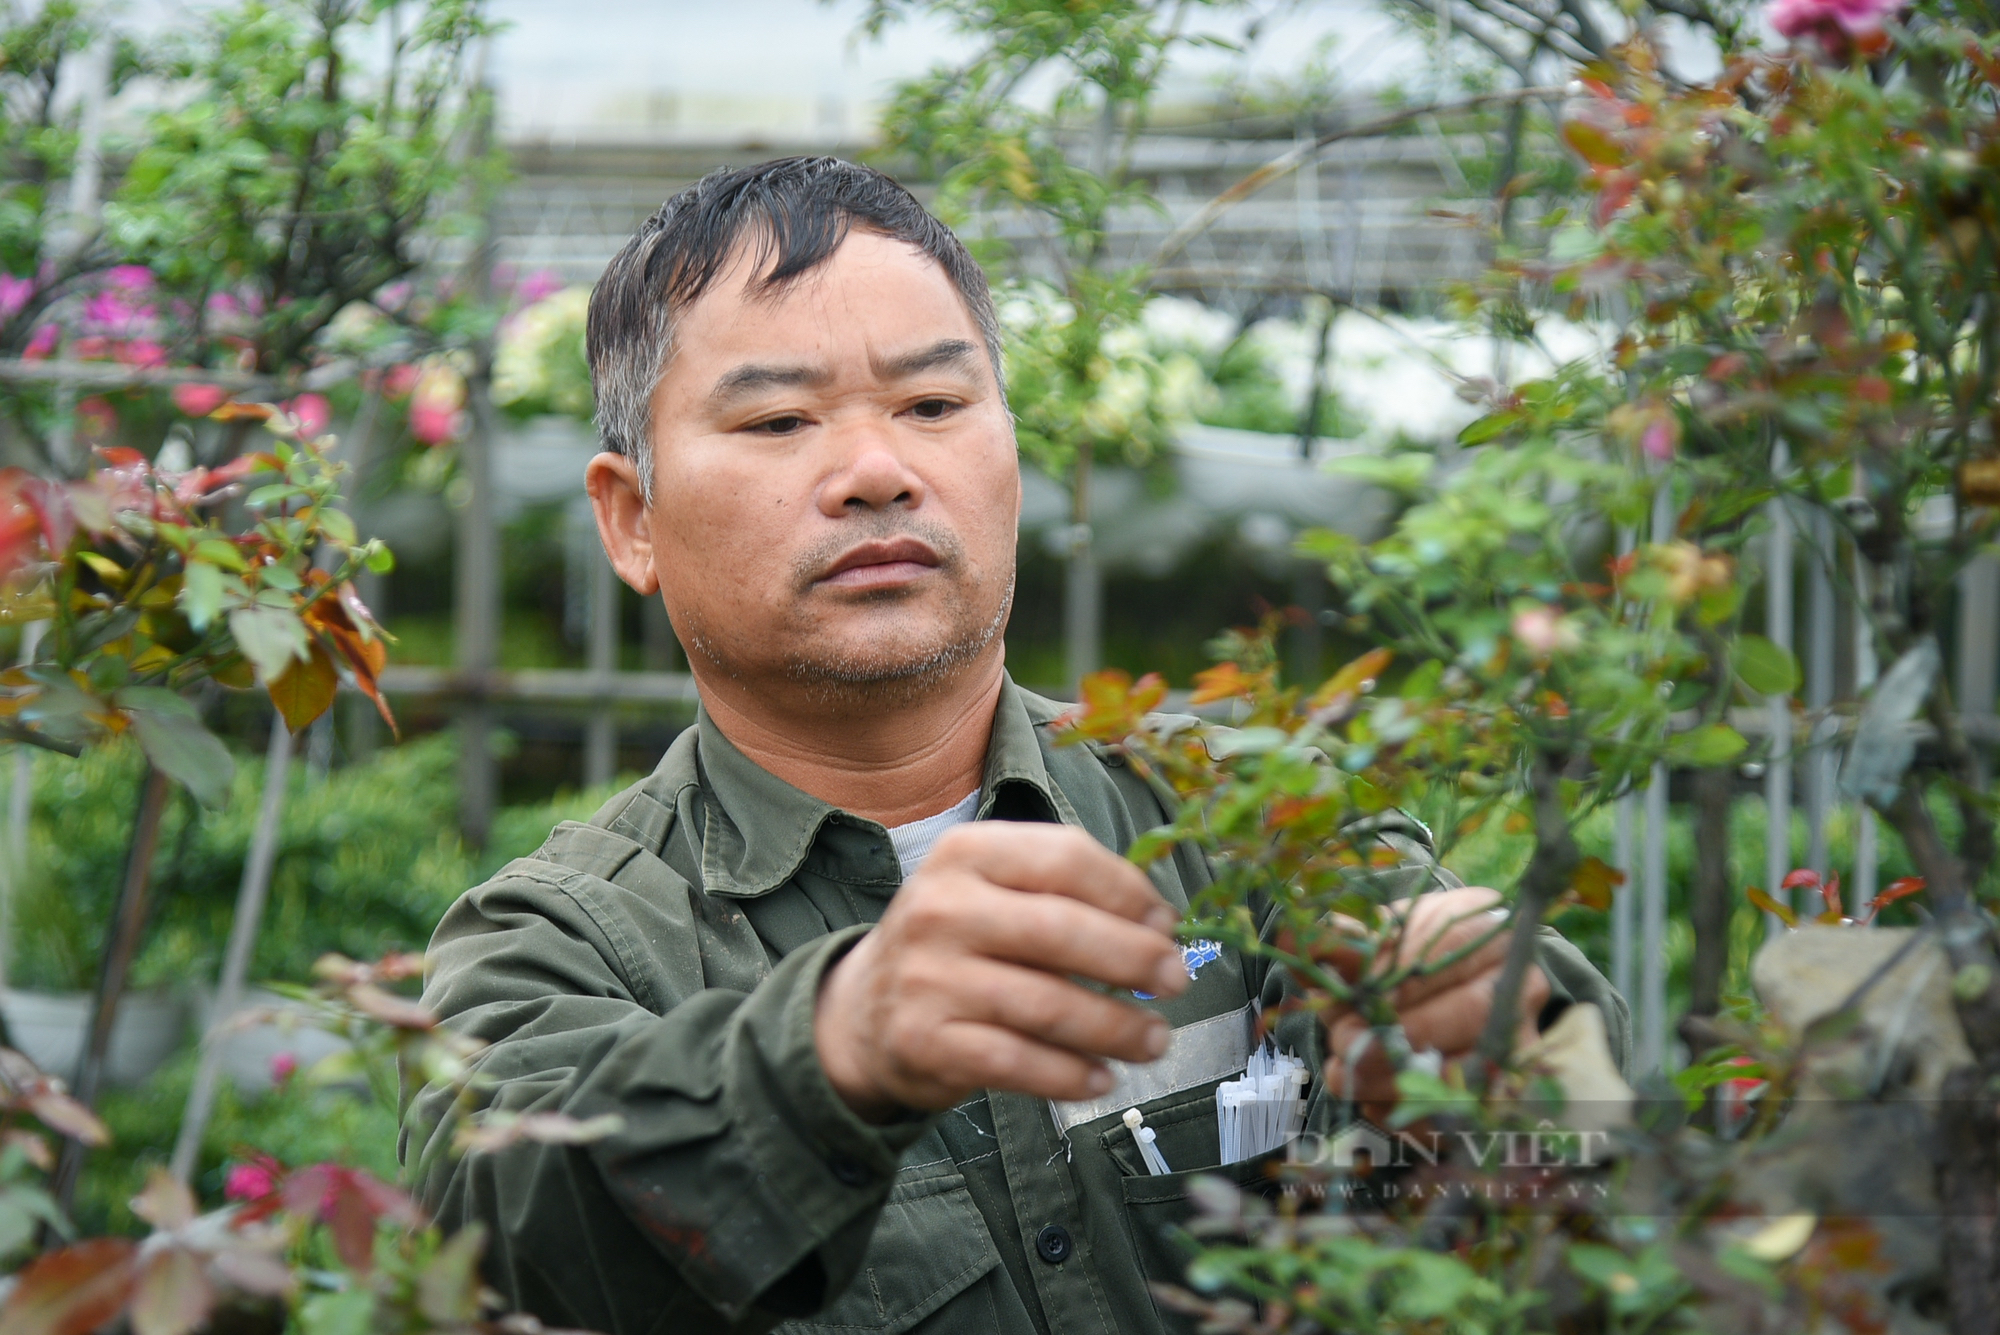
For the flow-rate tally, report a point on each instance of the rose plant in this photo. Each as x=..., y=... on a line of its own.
x=322, y=1248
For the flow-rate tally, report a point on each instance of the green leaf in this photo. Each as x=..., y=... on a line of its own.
x=1247, y=742
x=1766, y=667
x=272, y=638
x=1486, y=428
x=224, y=554
x=448, y=1288
x=1710, y=744
x=336, y=525
x=349, y=1312
x=201, y=594
x=184, y=751
x=1404, y=474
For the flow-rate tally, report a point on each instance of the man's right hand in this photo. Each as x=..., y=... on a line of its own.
x=965, y=984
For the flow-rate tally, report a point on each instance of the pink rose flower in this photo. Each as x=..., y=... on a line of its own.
x=1835, y=24
x=199, y=400
x=1543, y=631
x=1660, y=437
x=539, y=284
x=14, y=294
x=142, y=352
x=434, y=423
x=400, y=380
x=312, y=413
x=249, y=1182
x=283, y=1065
x=110, y=312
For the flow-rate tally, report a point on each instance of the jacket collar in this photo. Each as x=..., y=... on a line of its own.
x=757, y=830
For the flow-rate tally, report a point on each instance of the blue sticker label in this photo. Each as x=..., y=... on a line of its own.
x=1197, y=953
x=1194, y=955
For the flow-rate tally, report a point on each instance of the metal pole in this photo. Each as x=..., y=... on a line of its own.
x=477, y=595
x=121, y=945
x=1867, y=853
x=1624, y=895
x=1652, y=1053
x=80, y=222
x=1820, y=617
x=600, y=746
x=1083, y=591
x=478, y=623
x=250, y=896
x=1778, y=767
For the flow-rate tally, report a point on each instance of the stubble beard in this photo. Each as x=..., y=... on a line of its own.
x=845, y=677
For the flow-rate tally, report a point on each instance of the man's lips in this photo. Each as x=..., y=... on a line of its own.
x=881, y=562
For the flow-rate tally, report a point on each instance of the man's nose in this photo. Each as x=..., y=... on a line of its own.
x=871, y=475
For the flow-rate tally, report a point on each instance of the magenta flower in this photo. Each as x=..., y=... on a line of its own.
x=199, y=400
x=43, y=344
x=434, y=423
x=130, y=277
x=142, y=352
x=1660, y=437
x=1834, y=24
x=283, y=1065
x=14, y=294
x=249, y=1182
x=539, y=284
x=111, y=312
x=312, y=413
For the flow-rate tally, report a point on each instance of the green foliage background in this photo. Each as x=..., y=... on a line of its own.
x=368, y=859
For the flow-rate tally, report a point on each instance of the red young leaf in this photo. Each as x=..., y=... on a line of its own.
x=1803, y=876
x=1830, y=892
x=390, y=1009
x=1900, y=888
x=72, y=1291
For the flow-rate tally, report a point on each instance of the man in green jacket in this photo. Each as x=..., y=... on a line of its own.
x=823, y=962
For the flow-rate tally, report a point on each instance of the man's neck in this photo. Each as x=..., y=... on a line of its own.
x=890, y=762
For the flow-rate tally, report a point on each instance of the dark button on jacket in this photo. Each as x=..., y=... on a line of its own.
x=661, y=962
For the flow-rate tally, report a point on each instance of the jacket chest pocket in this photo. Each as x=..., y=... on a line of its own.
x=929, y=1246
x=1158, y=1206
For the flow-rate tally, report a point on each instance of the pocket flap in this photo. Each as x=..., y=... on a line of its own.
x=929, y=1246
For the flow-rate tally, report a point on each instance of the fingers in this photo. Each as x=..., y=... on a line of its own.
x=1041, y=1006
x=1054, y=860
x=1449, y=1023
x=965, y=1055
x=1046, y=932
x=1442, y=925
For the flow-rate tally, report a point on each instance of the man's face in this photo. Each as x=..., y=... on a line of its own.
x=836, y=492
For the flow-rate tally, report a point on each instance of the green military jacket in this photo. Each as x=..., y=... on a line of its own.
x=662, y=963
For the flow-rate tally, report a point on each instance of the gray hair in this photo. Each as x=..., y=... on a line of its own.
x=795, y=212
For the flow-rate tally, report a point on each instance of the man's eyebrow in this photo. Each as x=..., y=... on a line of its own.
x=955, y=353
x=746, y=380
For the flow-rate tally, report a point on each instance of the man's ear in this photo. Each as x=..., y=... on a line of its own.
x=620, y=506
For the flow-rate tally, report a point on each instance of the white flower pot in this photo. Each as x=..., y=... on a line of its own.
x=52, y=1027
x=269, y=1025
